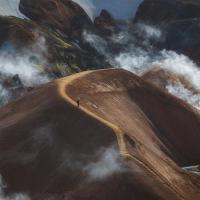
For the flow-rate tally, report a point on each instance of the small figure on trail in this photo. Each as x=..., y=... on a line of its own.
x=78, y=102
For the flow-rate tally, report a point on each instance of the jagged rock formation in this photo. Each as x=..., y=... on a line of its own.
x=106, y=23
x=50, y=148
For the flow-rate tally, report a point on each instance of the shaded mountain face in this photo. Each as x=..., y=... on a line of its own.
x=105, y=23
x=180, y=19
x=50, y=148
x=64, y=15
x=167, y=11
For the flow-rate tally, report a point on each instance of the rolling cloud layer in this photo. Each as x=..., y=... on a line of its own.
x=143, y=57
x=26, y=64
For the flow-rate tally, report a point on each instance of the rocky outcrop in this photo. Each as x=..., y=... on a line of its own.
x=106, y=23
x=17, y=30
x=65, y=15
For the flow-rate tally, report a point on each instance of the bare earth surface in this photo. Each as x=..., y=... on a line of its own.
x=47, y=142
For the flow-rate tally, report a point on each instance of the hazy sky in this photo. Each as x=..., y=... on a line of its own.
x=10, y=7
x=118, y=8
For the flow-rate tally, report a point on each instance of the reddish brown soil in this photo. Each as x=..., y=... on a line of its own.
x=64, y=15
x=46, y=140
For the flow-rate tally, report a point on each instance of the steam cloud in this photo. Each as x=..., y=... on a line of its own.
x=150, y=32
x=107, y=164
x=140, y=58
x=96, y=41
x=5, y=95
x=178, y=89
x=26, y=64
x=107, y=161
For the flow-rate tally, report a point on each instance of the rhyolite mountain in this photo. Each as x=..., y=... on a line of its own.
x=62, y=32
x=65, y=15
x=95, y=132
x=126, y=141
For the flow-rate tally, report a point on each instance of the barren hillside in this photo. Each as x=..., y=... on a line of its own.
x=116, y=145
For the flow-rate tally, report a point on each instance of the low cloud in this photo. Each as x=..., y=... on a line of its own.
x=139, y=58
x=178, y=90
x=22, y=68
x=97, y=42
x=27, y=64
x=179, y=64
x=108, y=163
x=149, y=31
x=5, y=95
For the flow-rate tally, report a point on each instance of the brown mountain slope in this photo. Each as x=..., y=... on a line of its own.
x=148, y=101
x=64, y=15
x=50, y=147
